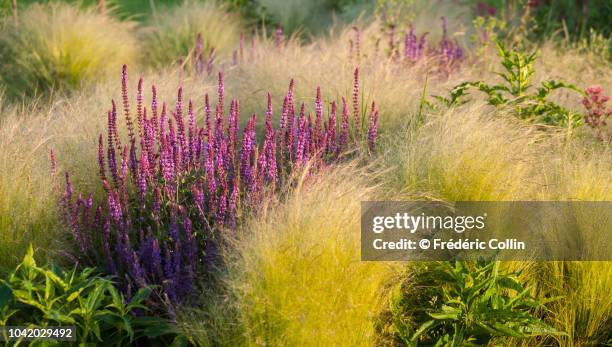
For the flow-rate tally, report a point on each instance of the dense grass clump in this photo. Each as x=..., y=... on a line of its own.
x=57, y=47
x=297, y=276
x=172, y=34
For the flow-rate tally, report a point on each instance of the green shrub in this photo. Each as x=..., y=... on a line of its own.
x=516, y=91
x=49, y=296
x=462, y=304
x=172, y=34
x=56, y=47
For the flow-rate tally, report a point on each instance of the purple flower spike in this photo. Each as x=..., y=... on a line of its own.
x=126, y=104
x=221, y=92
x=356, y=113
x=373, y=129
x=54, y=163
x=139, y=107
x=331, y=136
x=344, y=128
x=278, y=35
x=187, y=182
x=154, y=110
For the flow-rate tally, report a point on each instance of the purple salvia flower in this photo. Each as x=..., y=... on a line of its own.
x=139, y=107
x=155, y=255
x=302, y=133
x=235, y=57
x=231, y=140
x=309, y=144
x=236, y=125
x=142, y=177
x=150, y=144
x=233, y=203
x=154, y=110
x=135, y=270
x=165, y=166
x=162, y=123
x=278, y=35
x=171, y=280
x=411, y=45
x=124, y=165
x=192, y=132
x=54, y=163
x=318, y=119
x=112, y=161
x=114, y=207
x=221, y=93
x=112, y=122
x=246, y=155
x=178, y=116
x=373, y=129
x=173, y=231
x=282, y=131
x=272, y=168
x=207, y=119
x=211, y=182
x=344, y=128
x=222, y=203
x=356, y=113
x=126, y=104
x=331, y=137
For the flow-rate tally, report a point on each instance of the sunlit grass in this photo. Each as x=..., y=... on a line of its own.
x=55, y=48
x=298, y=277
x=171, y=34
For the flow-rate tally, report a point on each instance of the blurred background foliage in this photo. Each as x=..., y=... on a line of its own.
x=571, y=19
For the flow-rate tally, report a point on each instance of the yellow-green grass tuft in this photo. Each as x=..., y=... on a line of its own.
x=298, y=278
x=468, y=154
x=57, y=47
x=171, y=35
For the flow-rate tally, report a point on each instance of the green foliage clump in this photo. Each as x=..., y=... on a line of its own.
x=48, y=296
x=462, y=304
x=57, y=47
x=172, y=34
x=576, y=18
x=516, y=92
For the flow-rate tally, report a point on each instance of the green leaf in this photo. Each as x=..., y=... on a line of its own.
x=423, y=329
x=28, y=259
x=141, y=295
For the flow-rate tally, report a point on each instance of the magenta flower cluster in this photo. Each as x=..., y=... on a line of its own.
x=447, y=53
x=597, y=110
x=175, y=185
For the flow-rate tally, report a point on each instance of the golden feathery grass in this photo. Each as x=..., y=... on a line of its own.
x=298, y=278
x=57, y=47
x=171, y=35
